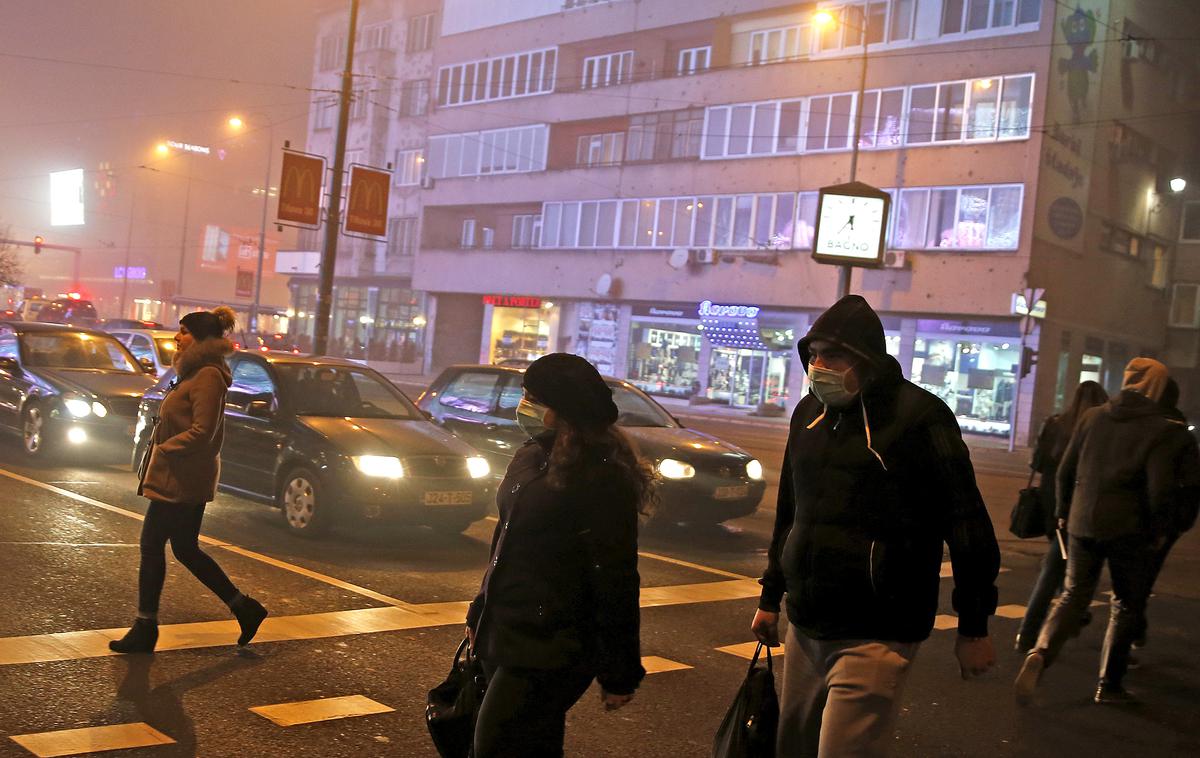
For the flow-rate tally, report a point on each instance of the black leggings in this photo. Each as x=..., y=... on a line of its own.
x=179, y=523
x=524, y=713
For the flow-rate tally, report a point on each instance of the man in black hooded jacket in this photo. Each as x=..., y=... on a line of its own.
x=876, y=479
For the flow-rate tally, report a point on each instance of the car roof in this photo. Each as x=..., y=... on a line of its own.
x=155, y=333
x=33, y=327
x=519, y=371
x=305, y=359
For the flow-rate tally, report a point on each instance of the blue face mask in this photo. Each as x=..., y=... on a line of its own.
x=830, y=386
x=531, y=417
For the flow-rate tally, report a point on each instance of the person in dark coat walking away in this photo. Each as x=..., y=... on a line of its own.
x=1116, y=485
x=876, y=479
x=558, y=605
x=1051, y=444
x=182, y=478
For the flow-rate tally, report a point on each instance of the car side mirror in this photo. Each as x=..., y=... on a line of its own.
x=259, y=409
x=429, y=416
x=10, y=366
x=148, y=366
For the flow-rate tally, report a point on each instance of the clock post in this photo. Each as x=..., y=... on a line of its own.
x=852, y=221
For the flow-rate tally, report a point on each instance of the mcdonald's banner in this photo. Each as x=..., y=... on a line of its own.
x=244, y=283
x=366, y=211
x=300, y=189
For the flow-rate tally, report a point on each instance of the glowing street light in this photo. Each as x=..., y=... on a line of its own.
x=823, y=18
x=236, y=122
x=162, y=149
x=1178, y=184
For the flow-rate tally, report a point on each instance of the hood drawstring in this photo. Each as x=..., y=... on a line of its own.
x=867, y=426
x=817, y=420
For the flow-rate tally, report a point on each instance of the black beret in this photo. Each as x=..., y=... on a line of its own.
x=573, y=389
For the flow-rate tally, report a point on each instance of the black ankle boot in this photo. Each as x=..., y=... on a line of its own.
x=140, y=638
x=250, y=614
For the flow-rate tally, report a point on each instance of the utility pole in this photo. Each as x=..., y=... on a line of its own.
x=128, y=249
x=334, y=211
x=856, y=135
x=262, y=233
x=187, y=204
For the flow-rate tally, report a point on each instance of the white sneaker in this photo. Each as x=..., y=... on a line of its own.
x=1028, y=678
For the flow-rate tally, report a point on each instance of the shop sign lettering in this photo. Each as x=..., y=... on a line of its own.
x=710, y=309
x=512, y=301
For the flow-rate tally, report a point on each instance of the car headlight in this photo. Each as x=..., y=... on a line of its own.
x=379, y=465
x=754, y=470
x=77, y=407
x=673, y=469
x=478, y=467
x=99, y=409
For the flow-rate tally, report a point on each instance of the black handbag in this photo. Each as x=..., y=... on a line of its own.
x=152, y=442
x=748, y=729
x=1028, y=517
x=452, y=707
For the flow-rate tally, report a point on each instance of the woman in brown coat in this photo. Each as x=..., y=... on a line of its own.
x=181, y=478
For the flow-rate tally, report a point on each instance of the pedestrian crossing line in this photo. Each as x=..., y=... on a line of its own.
x=323, y=709
x=94, y=739
x=948, y=570
x=705, y=592
x=746, y=650
x=656, y=665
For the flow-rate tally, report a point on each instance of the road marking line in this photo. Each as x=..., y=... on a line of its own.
x=656, y=665
x=324, y=709
x=706, y=592
x=948, y=570
x=93, y=739
x=326, y=579
x=944, y=621
x=746, y=650
x=1011, y=611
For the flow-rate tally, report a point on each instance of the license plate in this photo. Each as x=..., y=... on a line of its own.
x=447, y=498
x=732, y=492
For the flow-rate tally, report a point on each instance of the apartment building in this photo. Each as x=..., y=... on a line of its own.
x=636, y=182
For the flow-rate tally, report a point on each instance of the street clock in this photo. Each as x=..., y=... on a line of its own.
x=852, y=222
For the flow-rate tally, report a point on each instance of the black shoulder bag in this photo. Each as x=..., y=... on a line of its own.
x=1028, y=517
x=144, y=462
x=452, y=707
x=748, y=729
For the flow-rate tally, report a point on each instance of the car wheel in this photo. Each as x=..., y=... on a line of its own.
x=305, y=509
x=33, y=432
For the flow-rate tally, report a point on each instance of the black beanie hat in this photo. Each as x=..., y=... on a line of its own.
x=208, y=324
x=573, y=389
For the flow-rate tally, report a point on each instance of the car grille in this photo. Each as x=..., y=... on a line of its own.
x=126, y=407
x=436, y=467
x=721, y=468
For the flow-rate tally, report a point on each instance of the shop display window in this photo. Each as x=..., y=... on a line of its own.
x=664, y=360
x=1092, y=369
x=748, y=378
x=520, y=334
x=976, y=379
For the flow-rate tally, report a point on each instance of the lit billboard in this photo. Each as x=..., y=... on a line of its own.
x=66, y=197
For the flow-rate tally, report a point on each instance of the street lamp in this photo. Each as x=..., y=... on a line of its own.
x=1178, y=184
x=237, y=123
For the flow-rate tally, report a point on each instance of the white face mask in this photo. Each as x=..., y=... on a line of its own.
x=830, y=386
x=531, y=417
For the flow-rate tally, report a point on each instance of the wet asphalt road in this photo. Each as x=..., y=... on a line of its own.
x=71, y=566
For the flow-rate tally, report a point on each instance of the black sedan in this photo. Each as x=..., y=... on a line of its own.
x=702, y=478
x=67, y=388
x=327, y=440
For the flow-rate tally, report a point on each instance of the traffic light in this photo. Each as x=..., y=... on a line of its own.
x=37, y=244
x=1028, y=361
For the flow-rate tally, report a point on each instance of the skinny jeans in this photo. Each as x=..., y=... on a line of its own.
x=179, y=524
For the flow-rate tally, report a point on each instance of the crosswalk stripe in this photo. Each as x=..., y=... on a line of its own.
x=705, y=592
x=947, y=571
x=656, y=665
x=323, y=709
x=746, y=650
x=92, y=739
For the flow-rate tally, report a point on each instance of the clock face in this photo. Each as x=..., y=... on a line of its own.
x=850, y=226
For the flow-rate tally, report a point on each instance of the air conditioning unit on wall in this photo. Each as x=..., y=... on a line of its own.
x=896, y=259
x=704, y=255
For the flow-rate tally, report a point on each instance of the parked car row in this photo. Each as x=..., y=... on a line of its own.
x=328, y=440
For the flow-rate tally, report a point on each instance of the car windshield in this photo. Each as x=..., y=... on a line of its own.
x=343, y=391
x=634, y=409
x=76, y=350
x=166, y=350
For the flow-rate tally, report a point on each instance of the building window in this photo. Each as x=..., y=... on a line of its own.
x=324, y=112
x=693, y=60
x=781, y=44
x=1121, y=241
x=976, y=109
x=375, y=37
x=527, y=230
x=961, y=218
x=420, y=33
x=1160, y=264
x=1189, y=227
x=358, y=104
x=518, y=149
x=607, y=70
x=600, y=149
x=402, y=237
x=1185, y=305
x=414, y=97
x=960, y=16
x=333, y=52
x=664, y=136
x=853, y=20
x=829, y=120
x=487, y=237
x=883, y=119
x=467, y=239
x=408, y=167
x=519, y=75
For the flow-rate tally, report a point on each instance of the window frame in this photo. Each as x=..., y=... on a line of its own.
x=607, y=70
x=455, y=79
x=409, y=165
x=688, y=60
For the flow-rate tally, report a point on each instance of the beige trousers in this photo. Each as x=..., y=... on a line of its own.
x=840, y=697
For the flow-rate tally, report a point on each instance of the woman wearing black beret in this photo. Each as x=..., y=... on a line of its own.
x=558, y=605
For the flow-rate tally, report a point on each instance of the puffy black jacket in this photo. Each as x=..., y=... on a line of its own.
x=562, y=588
x=860, y=528
x=1130, y=469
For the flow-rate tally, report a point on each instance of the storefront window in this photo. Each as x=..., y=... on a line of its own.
x=975, y=379
x=1091, y=369
x=596, y=337
x=748, y=377
x=664, y=359
x=397, y=329
x=522, y=334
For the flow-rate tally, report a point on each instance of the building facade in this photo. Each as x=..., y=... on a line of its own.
x=636, y=182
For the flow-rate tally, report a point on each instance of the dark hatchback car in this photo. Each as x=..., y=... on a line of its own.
x=67, y=388
x=328, y=441
x=69, y=310
x=702, y=479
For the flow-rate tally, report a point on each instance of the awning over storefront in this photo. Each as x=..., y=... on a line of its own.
x=194, y=302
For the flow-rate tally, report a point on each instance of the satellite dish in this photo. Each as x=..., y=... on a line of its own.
x=603, y=285
x=679, y=257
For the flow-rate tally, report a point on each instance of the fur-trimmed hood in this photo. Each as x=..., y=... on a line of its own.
x=209, y=352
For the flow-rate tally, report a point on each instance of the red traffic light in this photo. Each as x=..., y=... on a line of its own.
x=37, y=244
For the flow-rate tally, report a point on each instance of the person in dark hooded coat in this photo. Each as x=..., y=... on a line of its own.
x=876, y=480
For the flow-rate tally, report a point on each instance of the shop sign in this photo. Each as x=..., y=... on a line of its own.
x=512, y=301
x=244, y=283
x=367, y=203
x=969, y=328
x=657, y=312
x=709, y=309
x=300, y=189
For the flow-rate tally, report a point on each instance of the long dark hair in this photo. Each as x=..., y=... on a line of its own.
x=577, y=449
x=1088, y=395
